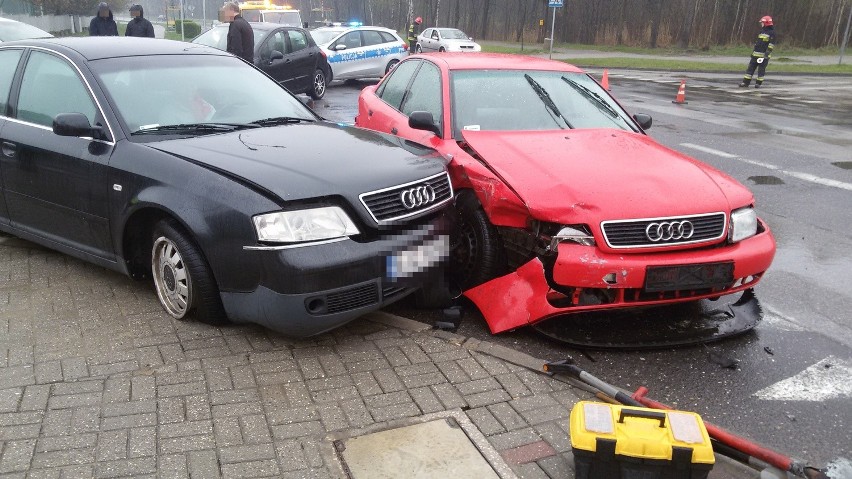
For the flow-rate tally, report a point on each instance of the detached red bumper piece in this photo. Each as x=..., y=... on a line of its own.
x=583, y=278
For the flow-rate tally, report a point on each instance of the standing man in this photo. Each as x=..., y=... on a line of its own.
x=103, y=25
x=761, y=53
x=412, y=34
x=139, y=26
x=240, y=36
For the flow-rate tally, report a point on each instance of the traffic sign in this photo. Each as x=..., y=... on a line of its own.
x=555, y=3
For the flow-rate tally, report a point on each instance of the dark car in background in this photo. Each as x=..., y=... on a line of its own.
x=190, y=167
x=287, y=54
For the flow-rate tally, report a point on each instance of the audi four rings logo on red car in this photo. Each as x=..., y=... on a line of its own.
x=417, y=196
x=669, y=230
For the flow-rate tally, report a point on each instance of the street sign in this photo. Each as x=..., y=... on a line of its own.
x=555, y=3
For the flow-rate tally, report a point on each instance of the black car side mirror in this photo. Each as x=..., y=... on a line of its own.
x=643, y=119
x=422, y=120
x=75, y=124
x=275, y=55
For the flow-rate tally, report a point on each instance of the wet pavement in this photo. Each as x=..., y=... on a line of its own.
x=790, y=142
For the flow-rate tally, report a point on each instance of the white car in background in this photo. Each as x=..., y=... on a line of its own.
x=360, y=52
x=11, y=30
x=445, y=40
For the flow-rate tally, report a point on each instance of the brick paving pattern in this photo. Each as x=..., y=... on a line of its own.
x=97, y=381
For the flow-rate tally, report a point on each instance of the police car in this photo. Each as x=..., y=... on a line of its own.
x=360, y=52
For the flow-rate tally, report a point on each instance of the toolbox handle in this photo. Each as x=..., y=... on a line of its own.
x=643, y=414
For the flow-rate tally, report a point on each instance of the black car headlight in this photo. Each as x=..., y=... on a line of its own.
x=314, y=224
x=743, y=224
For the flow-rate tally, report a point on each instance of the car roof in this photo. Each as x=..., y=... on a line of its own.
x=258, y=25
x=347, y=29
x=496, y=61
x=95, y=48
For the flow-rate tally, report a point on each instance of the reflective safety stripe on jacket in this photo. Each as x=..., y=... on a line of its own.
x=765, y=43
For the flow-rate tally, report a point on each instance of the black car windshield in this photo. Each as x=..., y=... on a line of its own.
x=452, y=34
x=525, y=100
x=155, y=92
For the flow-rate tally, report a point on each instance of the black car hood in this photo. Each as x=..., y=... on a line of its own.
x=311, y=160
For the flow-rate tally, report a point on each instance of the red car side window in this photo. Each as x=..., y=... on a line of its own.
x=392, y=90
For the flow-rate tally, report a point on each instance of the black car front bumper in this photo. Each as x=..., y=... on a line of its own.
x=308, y=290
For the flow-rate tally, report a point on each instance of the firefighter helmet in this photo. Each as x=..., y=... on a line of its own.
x=766, y=21
x=419, y=20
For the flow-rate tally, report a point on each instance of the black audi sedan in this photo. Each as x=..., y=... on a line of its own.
x=184, y=164
x=287, y=54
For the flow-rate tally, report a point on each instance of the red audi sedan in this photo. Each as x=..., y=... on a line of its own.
x=563, y=203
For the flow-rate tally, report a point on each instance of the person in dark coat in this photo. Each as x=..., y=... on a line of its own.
x=139, y=26
x=240, y=35
x=103, y=24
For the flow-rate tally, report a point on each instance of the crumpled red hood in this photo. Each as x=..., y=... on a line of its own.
x=591, y=175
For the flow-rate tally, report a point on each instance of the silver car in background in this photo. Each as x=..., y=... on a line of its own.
x=360, y=52
x=445, y=40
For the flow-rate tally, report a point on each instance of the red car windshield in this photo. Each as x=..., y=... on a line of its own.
x=531, y=100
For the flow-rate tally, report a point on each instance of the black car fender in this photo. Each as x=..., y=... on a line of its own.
x=215, y=209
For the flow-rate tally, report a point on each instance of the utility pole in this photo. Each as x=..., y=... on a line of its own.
x=182, y=24
x=845, y=37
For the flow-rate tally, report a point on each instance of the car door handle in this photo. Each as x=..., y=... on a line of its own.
x=394, y=131
x=9, y=149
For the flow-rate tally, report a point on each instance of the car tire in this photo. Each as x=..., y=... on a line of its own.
x=318, y=85
x=182, y=278
x=390, y=66
x=418, y=49
x=442, y=49
x=476, y=250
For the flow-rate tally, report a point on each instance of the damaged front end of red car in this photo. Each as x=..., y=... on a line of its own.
x=569, y=274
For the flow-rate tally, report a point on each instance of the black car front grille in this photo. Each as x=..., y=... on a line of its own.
x=352, y=298
x=387, y=205
x=632, y=233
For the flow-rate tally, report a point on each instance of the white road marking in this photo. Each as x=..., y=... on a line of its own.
x=828, y=379
x=795, y=174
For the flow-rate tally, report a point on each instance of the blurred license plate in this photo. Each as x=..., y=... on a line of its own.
x=697, y=276
x=406, y=263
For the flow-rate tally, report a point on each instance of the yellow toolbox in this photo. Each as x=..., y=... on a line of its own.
x=623, y=442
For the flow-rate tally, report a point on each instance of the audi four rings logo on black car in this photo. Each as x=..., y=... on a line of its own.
x=417, y=196
x=669, y=230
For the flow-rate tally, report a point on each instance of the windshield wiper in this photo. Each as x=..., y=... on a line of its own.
x=545, y=98
x=280, y=120
x=596, y=99
x=194, y=128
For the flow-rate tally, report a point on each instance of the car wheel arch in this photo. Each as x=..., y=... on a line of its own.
x=136, y=238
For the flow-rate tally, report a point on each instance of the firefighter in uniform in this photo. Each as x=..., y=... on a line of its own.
x=761, y=53
x=412, y=34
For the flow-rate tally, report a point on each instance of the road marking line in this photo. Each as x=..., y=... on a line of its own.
x=795, y=174
x=781, y=321
x=709, y=150
x=828, y=379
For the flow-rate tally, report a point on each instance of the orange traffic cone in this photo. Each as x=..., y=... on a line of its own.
x=680, y=99
x=605, y=80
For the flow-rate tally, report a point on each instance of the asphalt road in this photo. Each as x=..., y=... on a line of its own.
x=791, y=143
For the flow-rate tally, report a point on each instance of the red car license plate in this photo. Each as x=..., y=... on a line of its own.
x=694, y=276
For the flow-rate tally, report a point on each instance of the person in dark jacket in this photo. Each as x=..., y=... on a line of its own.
x=240, y=35
x=139, y=26
x=103, y=25
x=761, y=53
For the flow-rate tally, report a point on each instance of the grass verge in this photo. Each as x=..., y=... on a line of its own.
x=679, y=65
x=719, y=50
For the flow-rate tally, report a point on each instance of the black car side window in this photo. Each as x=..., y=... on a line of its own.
x=51, y=86
x=8, y=65
x=393, y=89
x=424, y=94
x=298, y=40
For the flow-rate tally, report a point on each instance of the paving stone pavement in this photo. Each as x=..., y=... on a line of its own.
x=97, y=381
